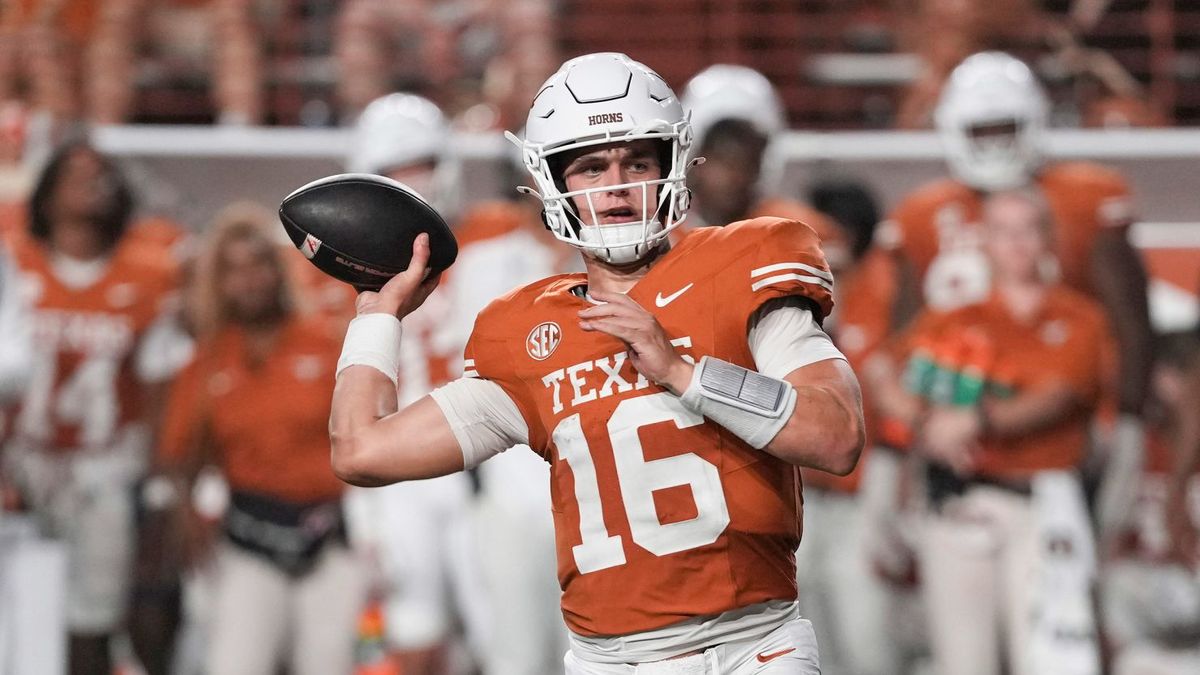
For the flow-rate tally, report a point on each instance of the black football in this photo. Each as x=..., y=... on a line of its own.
x=360, y=228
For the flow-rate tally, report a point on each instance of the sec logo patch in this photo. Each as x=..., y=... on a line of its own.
x=543, y=340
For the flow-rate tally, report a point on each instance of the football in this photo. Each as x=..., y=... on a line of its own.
x=360, y=228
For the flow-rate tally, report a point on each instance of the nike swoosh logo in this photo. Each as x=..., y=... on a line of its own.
x=763, y=658
x=660, y=301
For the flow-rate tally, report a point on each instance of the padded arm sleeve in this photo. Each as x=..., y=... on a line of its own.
x=485, y=420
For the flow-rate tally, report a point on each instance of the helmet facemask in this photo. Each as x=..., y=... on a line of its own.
x=664, y=200
x=991, y=115
x=996, y=155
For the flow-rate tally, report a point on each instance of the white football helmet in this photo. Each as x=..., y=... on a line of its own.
x=401, y=130
x=594, y=100
x=732, y=92
x=985, y=94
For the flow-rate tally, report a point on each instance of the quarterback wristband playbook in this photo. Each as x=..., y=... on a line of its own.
x=373, y=340
x=750, y=405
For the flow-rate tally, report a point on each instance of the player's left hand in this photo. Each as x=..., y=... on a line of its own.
x=650, y=350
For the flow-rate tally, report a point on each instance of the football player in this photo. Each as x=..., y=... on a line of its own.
x=992, y=116
x=79, y=437
x=674, y=391
x=736, y=115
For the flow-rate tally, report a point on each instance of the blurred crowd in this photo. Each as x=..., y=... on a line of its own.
x=1028, y=502
x=318, y=63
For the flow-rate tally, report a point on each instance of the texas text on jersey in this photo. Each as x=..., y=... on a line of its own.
x=650, y=499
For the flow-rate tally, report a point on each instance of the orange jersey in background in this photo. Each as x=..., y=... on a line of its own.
x=937, y=230
x=651, y=500
x=1066, y=342
x=84, y=388
x=268, y=423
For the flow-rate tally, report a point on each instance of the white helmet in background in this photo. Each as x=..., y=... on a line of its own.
x=732, y=92
x=401, y=130
x=594, y=100
x=992, y=115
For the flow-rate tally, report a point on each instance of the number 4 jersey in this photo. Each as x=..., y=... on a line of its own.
x=660, y=515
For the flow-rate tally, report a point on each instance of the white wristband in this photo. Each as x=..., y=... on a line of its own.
x=373, y=340
x=748, y=404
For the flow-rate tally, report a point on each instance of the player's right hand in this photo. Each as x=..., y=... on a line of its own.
x=405, y=292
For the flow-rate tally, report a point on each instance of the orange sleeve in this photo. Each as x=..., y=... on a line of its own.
x=183, y=419
x=787, y=262
x=1109, y=199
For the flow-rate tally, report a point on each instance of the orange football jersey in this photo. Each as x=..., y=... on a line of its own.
x=268, y=420
x=1066, y=342
x=83, y=389
x=159, y=239
x=938, y=230
x=660, y=515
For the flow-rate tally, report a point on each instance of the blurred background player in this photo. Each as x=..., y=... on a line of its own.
x=287, y=588
x=735, y=114
x=421, y=531
x=992, y=116
x=1007, y=557
x=79, y=435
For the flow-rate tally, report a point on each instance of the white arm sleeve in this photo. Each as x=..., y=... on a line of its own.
x=483, y=417
x=16, y=332
x=784, y=336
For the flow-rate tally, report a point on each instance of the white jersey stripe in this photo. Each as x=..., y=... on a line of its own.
x=470, y=373
x=815, y=271
x=789, y=277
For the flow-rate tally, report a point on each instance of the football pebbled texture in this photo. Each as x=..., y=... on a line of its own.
x=360, y=228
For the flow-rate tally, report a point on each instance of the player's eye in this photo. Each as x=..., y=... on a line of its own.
x=641, y=165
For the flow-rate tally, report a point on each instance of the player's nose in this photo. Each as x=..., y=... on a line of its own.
x=616, y=177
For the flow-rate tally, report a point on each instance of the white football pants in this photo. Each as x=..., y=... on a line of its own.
x=262, y=617
x=790, y=649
